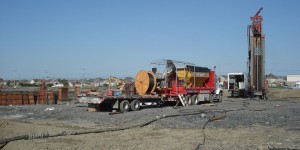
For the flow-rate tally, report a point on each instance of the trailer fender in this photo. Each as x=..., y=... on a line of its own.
x=115, y=104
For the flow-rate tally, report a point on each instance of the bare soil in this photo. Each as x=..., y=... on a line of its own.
x=249, y=124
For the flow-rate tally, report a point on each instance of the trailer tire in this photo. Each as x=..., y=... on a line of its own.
x=124, y=106
x=188, y=99
x=135, y=105
x=195, y=99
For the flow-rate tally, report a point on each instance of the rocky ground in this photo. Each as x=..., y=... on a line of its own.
x=249, y=124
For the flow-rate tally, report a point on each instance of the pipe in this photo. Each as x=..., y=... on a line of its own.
x=263, y=109
x=216, y=118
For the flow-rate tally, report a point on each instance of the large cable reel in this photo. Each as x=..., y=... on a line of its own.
x=145, y=82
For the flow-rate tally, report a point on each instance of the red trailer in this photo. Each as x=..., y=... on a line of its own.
x=186, y=82
x=169, y=80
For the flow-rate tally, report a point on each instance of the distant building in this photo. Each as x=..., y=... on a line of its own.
x=223, y=78
x=71, y=84
x=275, y=81
x=58, y=85
x=293, y=78
x=34, y=81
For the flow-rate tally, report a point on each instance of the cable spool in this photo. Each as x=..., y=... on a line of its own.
x=145, y=82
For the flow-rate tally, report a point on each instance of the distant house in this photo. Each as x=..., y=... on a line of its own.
x=103, y=82
x=275, y=81
x=223, y=78
x=77, y=83
x=71, y=84
x=57, y=85
x=32, y=81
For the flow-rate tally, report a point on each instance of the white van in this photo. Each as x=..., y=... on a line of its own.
x=296, y=86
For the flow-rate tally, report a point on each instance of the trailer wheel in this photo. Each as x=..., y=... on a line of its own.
x=135, y=105
x=124, y=106
x=195, y=99
x=188, y=99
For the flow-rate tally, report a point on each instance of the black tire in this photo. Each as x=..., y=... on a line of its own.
x=188, y=99
x=124, y=106
x=220, y=97
x=211, y=98
x=135, y=105
x=265, y=97
x=195, y=99
x=161, y=103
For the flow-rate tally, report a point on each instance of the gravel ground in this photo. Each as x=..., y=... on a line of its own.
x=249, y=124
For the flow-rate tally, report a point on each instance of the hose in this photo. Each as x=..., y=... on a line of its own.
x=245, y=105
x=78, y=132
x=185, y=112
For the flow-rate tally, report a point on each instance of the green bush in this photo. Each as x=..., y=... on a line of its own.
x=28, y=85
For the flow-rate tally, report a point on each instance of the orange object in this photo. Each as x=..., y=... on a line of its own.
x=145, y=82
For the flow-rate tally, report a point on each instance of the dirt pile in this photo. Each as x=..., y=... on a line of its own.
x=284, y=93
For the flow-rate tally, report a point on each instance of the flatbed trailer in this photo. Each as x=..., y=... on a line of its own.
x=179, y=82
x=134, y=102
x=120, y=103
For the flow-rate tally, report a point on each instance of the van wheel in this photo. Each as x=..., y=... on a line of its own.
x=188, y=99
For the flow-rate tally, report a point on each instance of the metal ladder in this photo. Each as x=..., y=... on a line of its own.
x=182, y=99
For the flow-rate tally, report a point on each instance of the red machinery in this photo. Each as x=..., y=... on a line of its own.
x=185, y=81
x=257, y=23
x=256, y=57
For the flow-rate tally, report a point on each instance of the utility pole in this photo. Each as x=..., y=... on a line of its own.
x=14, y=78
x=83, y=70
x=46, y=74
x=219, y=79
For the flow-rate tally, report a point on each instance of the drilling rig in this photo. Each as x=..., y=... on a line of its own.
x=256, y=57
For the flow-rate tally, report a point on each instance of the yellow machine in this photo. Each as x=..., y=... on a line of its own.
x=191, y=75
x=110, y=79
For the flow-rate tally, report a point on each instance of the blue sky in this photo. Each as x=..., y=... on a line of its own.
x=57, y=38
